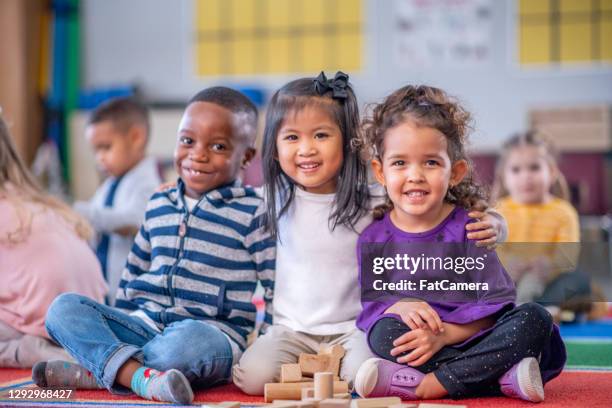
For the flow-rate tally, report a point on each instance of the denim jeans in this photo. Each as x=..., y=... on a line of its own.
x=102, y=339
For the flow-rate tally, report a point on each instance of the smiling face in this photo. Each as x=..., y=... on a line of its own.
x=309, y=145
x=209, y=152
x=528, y=175
x=417, y=171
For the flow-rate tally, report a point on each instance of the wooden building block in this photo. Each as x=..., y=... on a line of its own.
x=336, y=351
x=307, y=393
x=335, y=403
x=225, y=404
x=403, y=406
x=429, y=405
x=375, y=402
x=229, y=404
x=323, y=386
x=342, y=396
x=293, y=404
x=293, y=391
x=291, y=373
x=313, y=363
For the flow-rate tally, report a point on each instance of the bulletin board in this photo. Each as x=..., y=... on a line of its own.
x=564, y=32
x=251, y=37
x=442, y=33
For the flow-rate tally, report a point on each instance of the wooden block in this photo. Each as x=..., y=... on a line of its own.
x=313, y=363
x=336, y=351
x=429, y=405
x=230, y=404
x=375, y=402
x=293, y=404
x=291, y=373
x=335, y=403
x=285, y=404
x=293, y=391
x=225, y=404
x=342, y=396
x=403, y=406
x=323, y=386
x=307, y=393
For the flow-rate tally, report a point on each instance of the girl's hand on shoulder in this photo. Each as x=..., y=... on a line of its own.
x=487, y=230
x=423, y=343
x=417, y=314
x=165, y=186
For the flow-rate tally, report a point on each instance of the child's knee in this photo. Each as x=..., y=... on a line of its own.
x=252, y=373
x=382, y=335
x=534, y=319
x=62, y=306
x=197, y=349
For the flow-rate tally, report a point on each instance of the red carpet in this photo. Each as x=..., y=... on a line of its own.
x=571, y=389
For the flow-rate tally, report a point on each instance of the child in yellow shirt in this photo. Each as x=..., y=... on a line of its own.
x=533, y=197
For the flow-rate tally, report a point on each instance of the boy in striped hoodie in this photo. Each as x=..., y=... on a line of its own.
x=183, y=308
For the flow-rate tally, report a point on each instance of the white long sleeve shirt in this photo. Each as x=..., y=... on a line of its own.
x=129, y=204
x=317, y=276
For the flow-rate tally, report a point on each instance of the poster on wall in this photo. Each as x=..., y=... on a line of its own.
x=451, y=33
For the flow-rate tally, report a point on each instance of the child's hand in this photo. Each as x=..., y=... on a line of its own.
x=423, y=343
x=165, y=186
x=417, y=314
x=486, y=229
x=127, y=231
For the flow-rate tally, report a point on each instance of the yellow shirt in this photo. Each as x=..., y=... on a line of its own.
x=552, y=223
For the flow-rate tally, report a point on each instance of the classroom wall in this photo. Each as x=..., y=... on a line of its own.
x=149, y=44
x=19, y=100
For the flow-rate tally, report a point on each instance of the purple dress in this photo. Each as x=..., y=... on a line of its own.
x=499, y=299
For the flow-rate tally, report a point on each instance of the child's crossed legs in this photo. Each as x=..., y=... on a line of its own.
x=261, y=362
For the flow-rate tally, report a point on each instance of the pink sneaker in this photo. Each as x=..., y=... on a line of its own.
x=382, y=378
x=523, y=381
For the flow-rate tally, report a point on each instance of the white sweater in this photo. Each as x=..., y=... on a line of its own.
x=316, y=287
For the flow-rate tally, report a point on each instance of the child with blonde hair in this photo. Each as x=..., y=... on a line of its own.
x=533, y=196
x=43, y=253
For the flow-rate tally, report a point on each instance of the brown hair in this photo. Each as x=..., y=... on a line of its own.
x=430, y=107
x=536, y=139
x=18, y=185
x=123, y=113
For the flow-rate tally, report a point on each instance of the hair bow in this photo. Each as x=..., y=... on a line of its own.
x=338, y=85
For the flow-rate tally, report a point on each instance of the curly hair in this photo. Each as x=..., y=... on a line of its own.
x=430, y=107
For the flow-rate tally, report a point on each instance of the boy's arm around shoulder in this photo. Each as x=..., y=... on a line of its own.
x=262, y=247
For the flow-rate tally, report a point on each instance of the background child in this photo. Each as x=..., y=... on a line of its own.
x=459, y=348
x=43, y=253
x=118, y=131
x=318, y=202
x=185, y=295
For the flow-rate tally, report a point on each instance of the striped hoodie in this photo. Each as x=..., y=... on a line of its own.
x=202, y=264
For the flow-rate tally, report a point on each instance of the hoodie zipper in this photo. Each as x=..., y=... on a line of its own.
x=182, y=234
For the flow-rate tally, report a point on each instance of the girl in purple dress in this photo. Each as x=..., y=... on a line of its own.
x=431, y=341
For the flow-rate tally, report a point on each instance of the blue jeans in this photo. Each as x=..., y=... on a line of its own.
x=102, y=339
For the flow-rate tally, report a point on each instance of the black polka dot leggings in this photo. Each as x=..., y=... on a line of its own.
x=474, y=368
